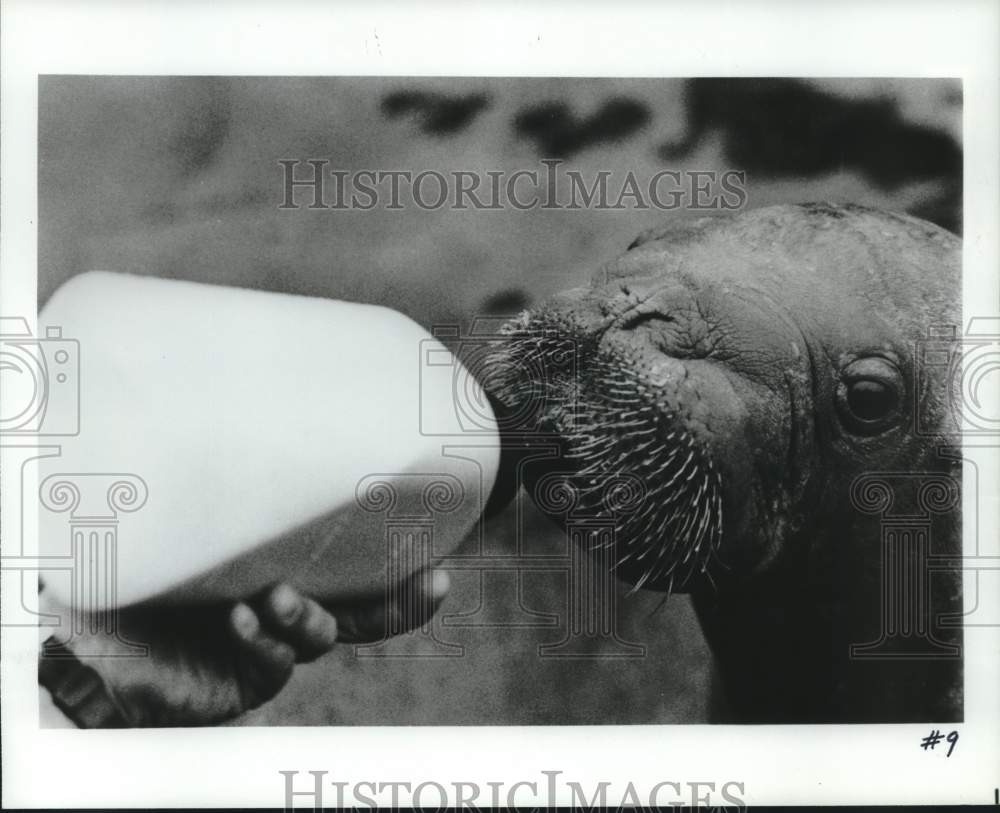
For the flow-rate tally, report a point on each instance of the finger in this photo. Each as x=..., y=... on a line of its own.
x=297, y=620
x=406, y=606
x=266, y=663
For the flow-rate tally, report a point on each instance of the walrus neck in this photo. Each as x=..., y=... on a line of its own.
x=787, y=649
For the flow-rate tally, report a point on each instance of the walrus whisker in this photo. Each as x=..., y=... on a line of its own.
x=612, y=421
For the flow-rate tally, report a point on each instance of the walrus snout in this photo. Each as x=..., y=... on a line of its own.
x=626, y=417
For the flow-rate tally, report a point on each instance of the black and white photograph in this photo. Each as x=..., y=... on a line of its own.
x=403, y=406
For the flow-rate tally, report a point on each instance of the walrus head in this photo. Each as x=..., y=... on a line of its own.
x=740, y=372
x=730, y=365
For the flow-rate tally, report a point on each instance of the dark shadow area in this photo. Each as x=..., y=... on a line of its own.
x=436, y=113
x=784, y=128
x=559, y=133
x=206, y=129
x=506, y=302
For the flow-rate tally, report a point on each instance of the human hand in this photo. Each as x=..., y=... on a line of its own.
x=208, y=664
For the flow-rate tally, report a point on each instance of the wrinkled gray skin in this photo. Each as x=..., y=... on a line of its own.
x=746, y=369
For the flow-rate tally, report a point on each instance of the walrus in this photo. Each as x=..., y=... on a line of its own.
x=754, y=373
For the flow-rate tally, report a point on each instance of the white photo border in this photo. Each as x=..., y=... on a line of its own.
x=240, y=766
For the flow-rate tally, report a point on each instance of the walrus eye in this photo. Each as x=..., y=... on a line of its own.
x=869, y=395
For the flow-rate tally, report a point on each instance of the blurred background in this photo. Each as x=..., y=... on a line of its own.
x=179, y=177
